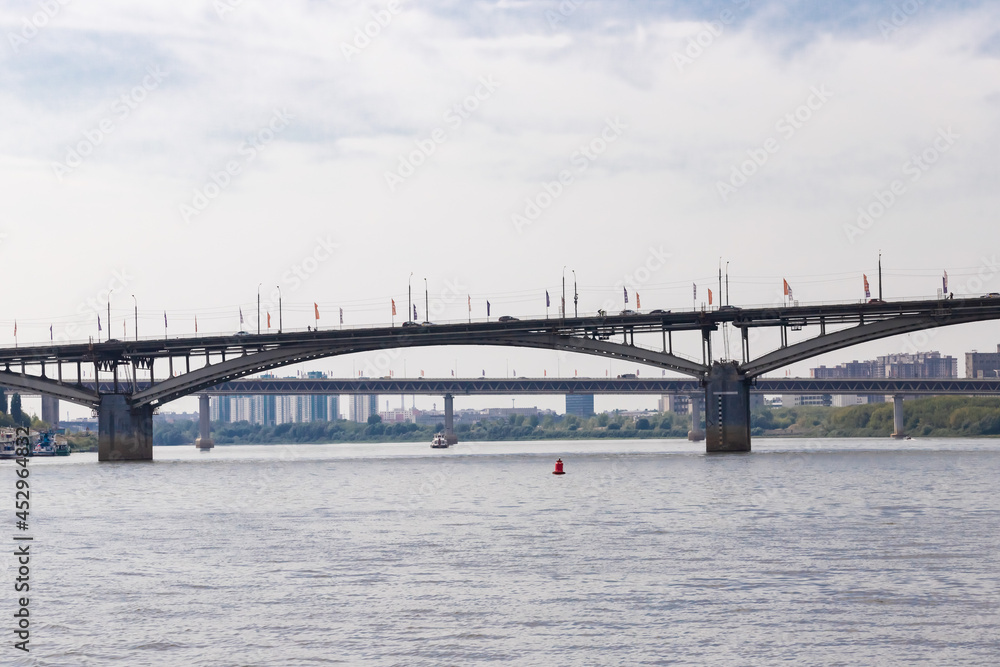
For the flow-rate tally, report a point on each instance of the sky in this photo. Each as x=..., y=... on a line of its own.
x=193, y=154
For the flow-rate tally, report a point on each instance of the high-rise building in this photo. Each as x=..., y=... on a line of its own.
x=679, y=403
x=980, y=365
x=362, y=406
x=581, y=405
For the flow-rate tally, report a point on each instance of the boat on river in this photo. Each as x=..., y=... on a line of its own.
x=439, y=441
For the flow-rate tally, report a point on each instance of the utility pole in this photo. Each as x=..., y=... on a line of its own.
x=727, y=282
x=564, y=294
x=136, y=317
x=109, y=314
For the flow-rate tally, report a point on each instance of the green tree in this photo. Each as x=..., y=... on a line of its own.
x=374, y=419
x=15, y=408
x=3, y=400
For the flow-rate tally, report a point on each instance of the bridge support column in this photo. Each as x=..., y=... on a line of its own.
x=696, y=434
x=204, y=440
x=727, y=409
x=449, y=420
x=897, y=418
x=123, y=433
x=50, y=410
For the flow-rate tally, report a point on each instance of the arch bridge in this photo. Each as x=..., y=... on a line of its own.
x=191, y=365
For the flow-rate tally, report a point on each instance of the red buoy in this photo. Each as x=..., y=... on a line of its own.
x=559, y=468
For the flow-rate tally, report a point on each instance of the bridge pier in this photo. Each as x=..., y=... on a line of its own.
x=123, y=433
x=204, y=441
x=50, y=410
x=897, y=418
x=697, y=410
x=727, y=409
x=449, y=420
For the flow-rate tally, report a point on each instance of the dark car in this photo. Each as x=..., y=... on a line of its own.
x=628, y=312
x=242, y=333
x=508, y=318
x=411, y=324
x=627, y=376
x=875, y=301
x=658, y=311
x=728, y=307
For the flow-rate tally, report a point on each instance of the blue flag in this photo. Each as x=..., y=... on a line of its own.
x=487, y=309
x=626, y=294
x=547, y=304
x=99, y=323
x=415, y=312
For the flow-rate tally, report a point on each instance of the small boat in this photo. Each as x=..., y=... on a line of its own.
x=45, y=446
x=8, y=444
x=62, y=448
x=439, y=441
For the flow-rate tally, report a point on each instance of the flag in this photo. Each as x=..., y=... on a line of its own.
x=637, y=306
x=164, y=319
x=269, y=320
x=196, y=324
x=694, y=291
x=470, y=303
x=484, y=372
x=710, y=297
x=944, y=282
x=241, y=316
x=50, y=333
x=415, y=312
x=487, y=309
x=421, y=373
x=788, y=291
x=98, y=325
x=626, y=294
x=545, y=374
x=453, y=373
x=316, y=309
x=394, y=306
x=868, y=293
x=547, y=303
x=341, y=315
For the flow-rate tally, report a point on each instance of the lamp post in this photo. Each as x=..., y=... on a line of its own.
x=409, y=298
x=576, y=296
x=258, y=307
x=427, y=302
x=136, y=316
x=279, y=307
x=110, y=292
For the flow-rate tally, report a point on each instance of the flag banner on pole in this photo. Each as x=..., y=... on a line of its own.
x=487, y=309
x=341, y=315
x=393, y=306
x=694, y=291
x=626, y=294
x=50, y=333
x=868, y=293
x=637, y=306
x=787, y=290
x=470, y=303
x=944, y=282
x=790, y=297
x=710, y=297
x=316, y=308
x=164, y=319
x=98, y=325
x=547, y=303
x=241, y=316
x=196, y=324
x=415, y=312
x=269, y=320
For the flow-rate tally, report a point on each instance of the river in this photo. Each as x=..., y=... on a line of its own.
x=830, y=551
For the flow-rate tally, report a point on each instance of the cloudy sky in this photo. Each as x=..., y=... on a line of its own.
x=187, y=152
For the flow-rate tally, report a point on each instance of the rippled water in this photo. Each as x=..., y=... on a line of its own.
x=646, y=552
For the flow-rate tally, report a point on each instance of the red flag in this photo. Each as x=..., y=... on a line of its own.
x=196, y=324
x=868, y=293
x=710, y=297
x=637, y=305
x=316, y=307
x=786, y=286
x=393, y=306
x=269, y=320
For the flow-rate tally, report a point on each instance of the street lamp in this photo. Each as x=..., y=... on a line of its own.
x=409, y=298
x=258, y=307
x=279, y=307
x=576, y=296
x=110, y=292
x=564, y=294
x=427, y=303
x=136, y=317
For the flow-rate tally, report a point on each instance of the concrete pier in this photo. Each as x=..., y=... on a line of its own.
x=449, y=420
x=204, y=440
x=897, y=418
x=123, y=433
x=50, y=410
x=727, y=409
x=696, y=434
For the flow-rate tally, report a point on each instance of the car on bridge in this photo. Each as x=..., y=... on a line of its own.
x=411, y=323
x=991, y=295
x=508, y=318
x=628, y=312
x=659, y=311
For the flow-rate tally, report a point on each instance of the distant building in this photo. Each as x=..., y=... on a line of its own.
x=398, y=417
x=580, y=405
x=980, y=365
x=679, y=403
x=362, y=406
x=915, y=366
x=795, y=400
